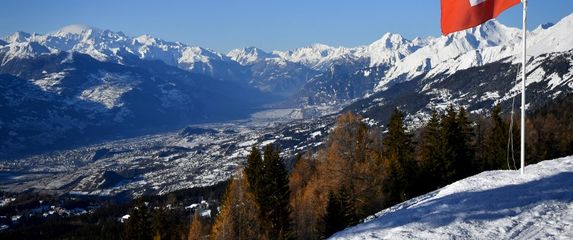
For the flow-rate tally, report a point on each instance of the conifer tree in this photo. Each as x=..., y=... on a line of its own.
x=275, y=193
x=254, y=172
x=450, y=134
x=398, y=157
x=334, y=219
x=496, y=142
x=239, y=215
x=138, y=225
x=306, y=201
x=466, y=152
x=458, y=144
x=432, y=165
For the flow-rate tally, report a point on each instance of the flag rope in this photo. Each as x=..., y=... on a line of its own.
x=510, y=147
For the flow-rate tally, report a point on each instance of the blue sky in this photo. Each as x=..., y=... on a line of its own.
x=269, y=24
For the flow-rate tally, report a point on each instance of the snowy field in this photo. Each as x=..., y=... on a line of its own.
x=490, y=205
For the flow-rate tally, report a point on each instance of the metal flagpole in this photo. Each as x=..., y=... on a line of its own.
x=523, y=77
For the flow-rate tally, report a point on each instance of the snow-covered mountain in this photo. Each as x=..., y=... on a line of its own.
x=394, y=59
x=484, y=44
x=270, y=72
x=321, y=57
x=490, y=205
x=391, y=48
x=478, y=89
x=249, y=55
x=106, y=45
x=387, y=50
x=288, y=72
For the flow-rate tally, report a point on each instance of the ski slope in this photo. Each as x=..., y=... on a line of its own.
x=490, y=205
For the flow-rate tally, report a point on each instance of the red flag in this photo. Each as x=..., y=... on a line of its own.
x=458, y=15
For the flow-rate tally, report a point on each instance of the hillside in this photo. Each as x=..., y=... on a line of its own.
x=490, y=205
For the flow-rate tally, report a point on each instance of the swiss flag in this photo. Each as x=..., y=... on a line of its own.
x=458, y=15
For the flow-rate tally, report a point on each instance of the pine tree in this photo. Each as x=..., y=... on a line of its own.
x=334, y=219
x=254, y=172
x=398, y=158
x=450, y=135
x=275, y=193
x=138, y=225
x=432, y=160
x=465, y=145
x=496, y=142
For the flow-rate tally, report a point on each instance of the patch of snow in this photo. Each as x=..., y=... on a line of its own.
x=109, y=89
x=50, y=81
x=316, y=134
x=490, y=96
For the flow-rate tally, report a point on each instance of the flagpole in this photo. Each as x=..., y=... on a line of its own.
x=523, y=77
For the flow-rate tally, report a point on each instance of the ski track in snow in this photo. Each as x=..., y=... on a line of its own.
x=490, y=205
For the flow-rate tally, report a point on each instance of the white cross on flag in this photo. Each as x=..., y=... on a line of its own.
x=458, y=15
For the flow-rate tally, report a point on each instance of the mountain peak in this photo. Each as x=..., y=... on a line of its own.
x=18, y=36
x=146, y=39
x=248, y=55
x=254, y=50
x=393, y=37
x=320, y=46
x=76, y=29
x=491, y=33
x=389, y=41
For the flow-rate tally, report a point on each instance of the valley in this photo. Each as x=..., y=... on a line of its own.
x=198, y=155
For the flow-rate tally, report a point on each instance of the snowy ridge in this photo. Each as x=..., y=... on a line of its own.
x=23, y=50
x=456, y=51
x=490, y=205
x=250, y=55
x=106, y=45
x=391, y=48
x=320, y=56
x=387, y=50
x=556, y=38
x=484, y=44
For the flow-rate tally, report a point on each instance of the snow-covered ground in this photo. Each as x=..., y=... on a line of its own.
x=490, y=205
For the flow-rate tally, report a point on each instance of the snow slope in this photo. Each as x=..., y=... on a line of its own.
x=490, y=205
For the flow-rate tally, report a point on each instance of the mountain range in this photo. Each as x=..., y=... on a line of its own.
x=81, y=83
